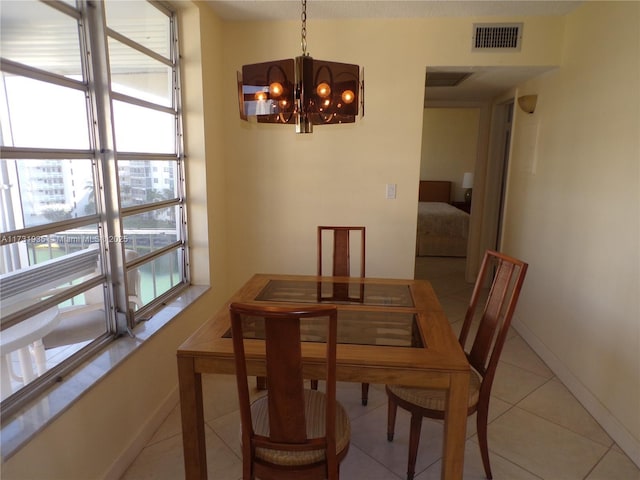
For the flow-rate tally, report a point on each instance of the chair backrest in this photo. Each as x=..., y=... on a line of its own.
x=505, y=276
x=286, y=407
x=342, y=250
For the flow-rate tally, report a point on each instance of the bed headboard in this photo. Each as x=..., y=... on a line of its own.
x=435, y=191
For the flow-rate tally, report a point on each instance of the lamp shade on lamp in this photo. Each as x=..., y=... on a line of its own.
x=467, y=182
x=303, y=91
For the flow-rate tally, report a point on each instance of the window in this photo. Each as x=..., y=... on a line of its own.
x=90, y=125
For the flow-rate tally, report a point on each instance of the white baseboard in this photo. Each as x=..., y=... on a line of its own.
x=598, y=411
x=131, y=451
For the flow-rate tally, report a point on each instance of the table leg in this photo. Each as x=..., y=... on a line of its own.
x=191, y=408
x=40, y=356
x=26, y=367
x=5, y=376
x=455, y=427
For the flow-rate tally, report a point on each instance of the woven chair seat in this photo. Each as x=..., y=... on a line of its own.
x=315, y=408
x=435, y=399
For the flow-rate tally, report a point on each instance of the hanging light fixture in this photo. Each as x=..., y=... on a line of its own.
x=303, y=90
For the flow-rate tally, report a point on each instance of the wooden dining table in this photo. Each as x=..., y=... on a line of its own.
x=390, y=331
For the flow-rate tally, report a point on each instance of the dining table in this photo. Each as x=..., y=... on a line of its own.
x=390, y=331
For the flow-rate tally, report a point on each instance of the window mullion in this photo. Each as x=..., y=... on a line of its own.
x=110, y=227
x=182, y=184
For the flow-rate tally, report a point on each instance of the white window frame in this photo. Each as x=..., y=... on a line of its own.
x=120, y=319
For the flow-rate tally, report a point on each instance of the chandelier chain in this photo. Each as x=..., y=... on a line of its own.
x=303, y=32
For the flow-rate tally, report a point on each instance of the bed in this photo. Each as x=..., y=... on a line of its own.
x=442, y=228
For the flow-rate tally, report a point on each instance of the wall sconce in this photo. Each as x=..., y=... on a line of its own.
x=467, y=182
x=528, y=103
x=303, y=91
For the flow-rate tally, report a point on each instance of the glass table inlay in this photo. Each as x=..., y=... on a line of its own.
x=354, y=327
x=386, y=294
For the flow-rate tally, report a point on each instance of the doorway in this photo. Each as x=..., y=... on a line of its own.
x=479, y=89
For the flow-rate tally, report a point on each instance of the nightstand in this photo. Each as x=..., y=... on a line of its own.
x=462, y=206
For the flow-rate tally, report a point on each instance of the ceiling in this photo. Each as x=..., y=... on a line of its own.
x=248, y=10
x=484, y=83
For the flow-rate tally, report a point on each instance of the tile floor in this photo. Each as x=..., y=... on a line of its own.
x=537, y=428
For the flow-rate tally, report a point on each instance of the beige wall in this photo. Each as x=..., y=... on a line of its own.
x=282, y=185
x=449, y=145
x=574, y=212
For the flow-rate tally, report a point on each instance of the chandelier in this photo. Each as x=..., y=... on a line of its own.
x=303, y=90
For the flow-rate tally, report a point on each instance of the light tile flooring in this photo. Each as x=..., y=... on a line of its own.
x=537, y=428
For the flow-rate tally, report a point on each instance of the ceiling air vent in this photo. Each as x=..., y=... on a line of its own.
x=497, y=36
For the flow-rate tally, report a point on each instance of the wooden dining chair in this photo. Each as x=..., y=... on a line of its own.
x=341, y=267
x=505, y=276
x=291, y=433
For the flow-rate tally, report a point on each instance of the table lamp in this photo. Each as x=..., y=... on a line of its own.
x=467, y=182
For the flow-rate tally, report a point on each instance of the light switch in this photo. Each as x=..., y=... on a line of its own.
x=391, y=191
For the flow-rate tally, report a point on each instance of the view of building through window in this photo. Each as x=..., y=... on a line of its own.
x=92, y=212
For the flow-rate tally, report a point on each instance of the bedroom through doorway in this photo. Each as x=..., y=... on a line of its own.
x=449, y=154
x=463, y=133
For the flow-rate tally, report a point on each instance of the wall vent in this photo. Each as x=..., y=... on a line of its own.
x=497, y=36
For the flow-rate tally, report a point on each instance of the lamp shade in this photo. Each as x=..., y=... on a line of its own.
x=303, y=91
x=467, y=180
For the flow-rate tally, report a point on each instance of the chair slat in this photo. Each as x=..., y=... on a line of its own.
x=286, y=390
x=341, y=258
x=342, y=249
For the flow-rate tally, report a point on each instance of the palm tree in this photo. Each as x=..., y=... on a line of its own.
x=90, y=207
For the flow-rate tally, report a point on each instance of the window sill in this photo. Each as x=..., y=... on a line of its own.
x=26, y=423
